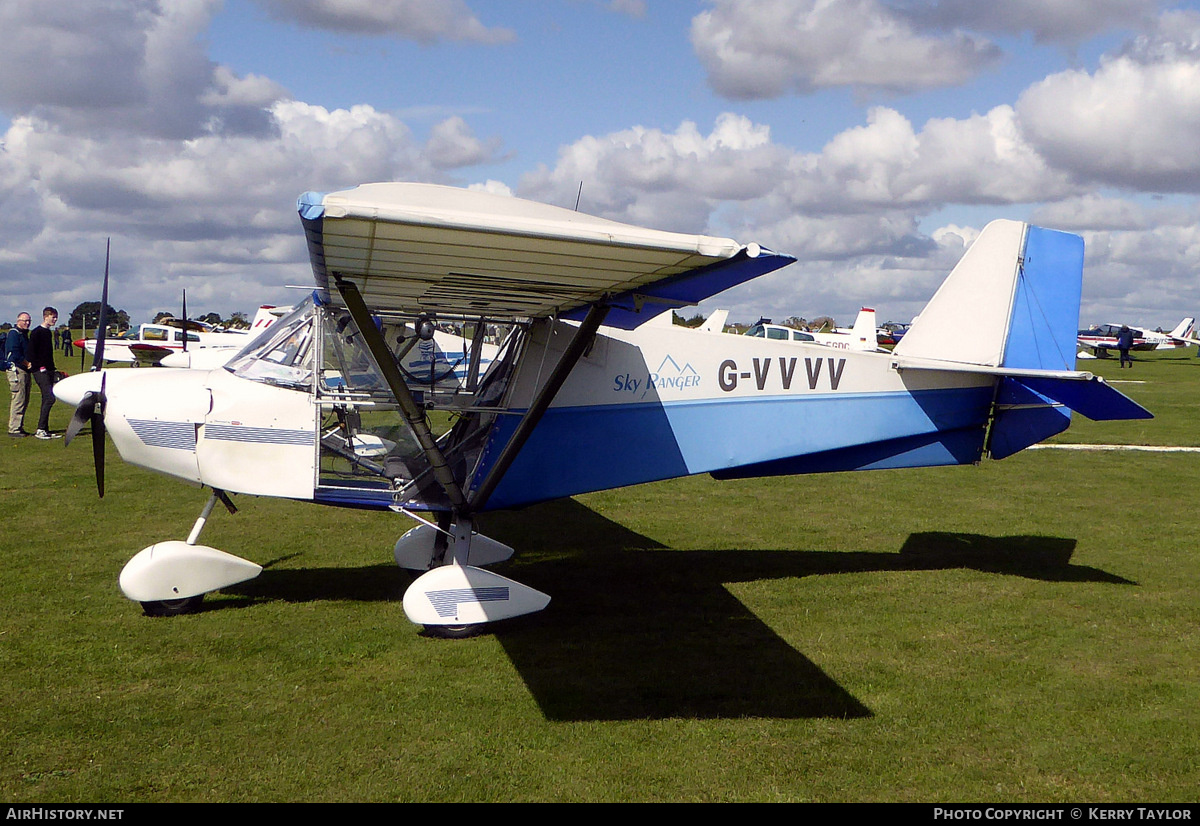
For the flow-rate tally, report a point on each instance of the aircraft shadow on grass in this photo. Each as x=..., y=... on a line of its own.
x=639, y=631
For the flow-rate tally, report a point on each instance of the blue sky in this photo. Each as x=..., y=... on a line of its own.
x=872, y=139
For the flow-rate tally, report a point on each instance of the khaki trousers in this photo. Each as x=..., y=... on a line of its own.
x=18, y=383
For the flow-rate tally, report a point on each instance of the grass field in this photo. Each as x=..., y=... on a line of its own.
x=1025, y=630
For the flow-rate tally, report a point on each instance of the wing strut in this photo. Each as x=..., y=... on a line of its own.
x=408, y=406
x=570, y=357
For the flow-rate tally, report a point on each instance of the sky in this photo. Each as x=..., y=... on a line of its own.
x=871, y=139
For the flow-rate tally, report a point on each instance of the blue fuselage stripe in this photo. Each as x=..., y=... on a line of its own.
x=579, y=449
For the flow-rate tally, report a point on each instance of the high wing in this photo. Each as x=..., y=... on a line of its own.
x=426, y=248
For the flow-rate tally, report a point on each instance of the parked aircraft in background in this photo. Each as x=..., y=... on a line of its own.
x=1100, y=339
x=862, y=336
x=150, y=343
x=581, y=395
x=891, y=332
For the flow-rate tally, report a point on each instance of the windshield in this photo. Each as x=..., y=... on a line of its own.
x=283, y=353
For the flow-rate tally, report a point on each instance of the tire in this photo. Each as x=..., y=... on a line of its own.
x=172, y=607
x=454, y=632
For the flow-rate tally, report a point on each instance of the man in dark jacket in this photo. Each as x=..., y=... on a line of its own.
x=41, y=364
x=16, y=353
x=1124, y=342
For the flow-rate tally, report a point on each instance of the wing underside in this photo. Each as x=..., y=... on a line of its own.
x=424, y=248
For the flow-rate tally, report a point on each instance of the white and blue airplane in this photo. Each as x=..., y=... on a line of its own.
x=584, y=391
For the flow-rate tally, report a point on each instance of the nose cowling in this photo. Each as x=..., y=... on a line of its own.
x=151, y=415
x=72, y=389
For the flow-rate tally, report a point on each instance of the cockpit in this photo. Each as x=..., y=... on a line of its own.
x=457, y=370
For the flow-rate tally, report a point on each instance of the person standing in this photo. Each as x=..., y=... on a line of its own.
x=1124, y=342
x=16, y=353
x=67, y=348
x=41, y=364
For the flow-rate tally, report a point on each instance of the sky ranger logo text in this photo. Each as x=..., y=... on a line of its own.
x=669, y=375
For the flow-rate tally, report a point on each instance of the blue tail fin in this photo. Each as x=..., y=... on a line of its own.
x=1041, y=336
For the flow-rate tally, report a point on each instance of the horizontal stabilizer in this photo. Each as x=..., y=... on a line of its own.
x=1093, y=398
x=1030, y=409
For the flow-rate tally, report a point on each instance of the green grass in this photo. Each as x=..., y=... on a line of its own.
x=1026, y=630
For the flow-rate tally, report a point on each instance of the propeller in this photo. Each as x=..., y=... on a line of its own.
x=91, y=406
x=185, y=321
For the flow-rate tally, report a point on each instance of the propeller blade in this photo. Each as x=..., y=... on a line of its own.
x=185, y=324
x=102, y=323
x=83, y=415
x=98, y=450
x=97, y=414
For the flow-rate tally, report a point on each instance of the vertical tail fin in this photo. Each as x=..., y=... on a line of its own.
x=1184, y=329
x=715, y=323
x=264, y=318
x=1012, y=301
x=865, y=333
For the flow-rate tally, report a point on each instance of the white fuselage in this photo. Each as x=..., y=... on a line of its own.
x=643, y=404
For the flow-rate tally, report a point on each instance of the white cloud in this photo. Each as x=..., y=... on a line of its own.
x=1064, y=21
x=77, y=55
x=214, y=212
x=425, y=21
x=667, y=180
x=1133, y=123
x=1094, y=212
x=766, y=48
x=452, y=144
x=682, y=179
x=886, y=162
x=132, y=67
x=633, y=8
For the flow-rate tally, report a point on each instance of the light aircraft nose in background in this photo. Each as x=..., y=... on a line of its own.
x=564, y=384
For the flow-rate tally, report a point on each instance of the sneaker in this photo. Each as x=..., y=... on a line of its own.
x=18, y=434
x=45, y=434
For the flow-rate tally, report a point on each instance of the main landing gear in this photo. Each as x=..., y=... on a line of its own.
x=454, y=599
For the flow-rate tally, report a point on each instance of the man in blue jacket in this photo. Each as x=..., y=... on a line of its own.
x=16, y=346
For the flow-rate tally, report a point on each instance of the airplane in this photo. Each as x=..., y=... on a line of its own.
x=587, y=391
x=863, y=336
x=1097, y=341
x=149, y=344
x=891, y=332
